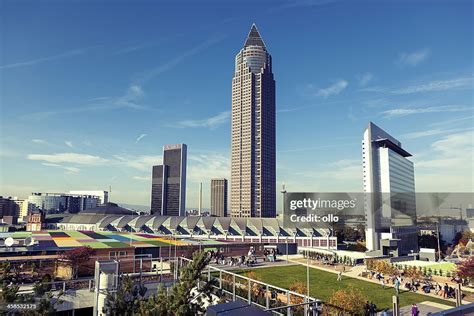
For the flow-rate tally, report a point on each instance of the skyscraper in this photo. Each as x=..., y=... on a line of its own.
x=168, y=192
x=219, y=197
x=389, y=184
x=253, y=171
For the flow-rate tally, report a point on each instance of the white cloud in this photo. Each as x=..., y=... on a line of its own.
x=431, y=86
x=398, y=112
x=39, y=141
x=145, y=76
x=139, y=138
x=81, y=159
x=211, y=122
x=70, y=53
x=438, y=85
x=202, y=168
x=413, y=58
x=128, y=100
x=349, y=170
x=143, y=163
x=430, y=132
x=69, y=169
x=365, y=79
x=142, y=178
x=69, y=143
x=333, y=89
x=448, y=165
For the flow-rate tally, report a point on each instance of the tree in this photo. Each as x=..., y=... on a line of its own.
x=47, y=304
x=463, y=237
x=351, y=300
x=385, y=268
x=77, y=257
x=413, y=273
x=298, y=287
x=42, y=287
x=8, y=293
x=184, y=298
x=126, y=300
x=256, y=287
x=465, y=268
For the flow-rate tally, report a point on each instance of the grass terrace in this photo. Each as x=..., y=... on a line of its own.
x=323, y=284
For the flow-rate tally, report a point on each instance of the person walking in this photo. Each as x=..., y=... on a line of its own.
x=339, y=276
x=397, y=286
x=414, y=310
x=445, y=290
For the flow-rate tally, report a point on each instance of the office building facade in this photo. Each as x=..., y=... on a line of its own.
x=102, y=195
x=8, y=210
x=24, y=209
x=389, y=187
x=62, y=202
x=168, y=193
x=219, y=197
x=253, y=147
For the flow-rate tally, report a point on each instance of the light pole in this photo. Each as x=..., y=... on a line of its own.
x=307, y=273
x=437, y=238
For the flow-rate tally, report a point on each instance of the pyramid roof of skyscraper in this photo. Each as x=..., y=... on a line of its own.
x=254, y=38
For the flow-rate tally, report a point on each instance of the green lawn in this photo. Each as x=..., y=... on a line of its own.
x=323, y=284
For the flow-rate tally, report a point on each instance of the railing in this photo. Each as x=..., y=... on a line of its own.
x=233, y=286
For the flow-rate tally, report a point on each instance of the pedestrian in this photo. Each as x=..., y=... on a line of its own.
x=382, y=282
x=445, y=290
x=414, y=310
x=373, y=309
x=367, y=308
x=339, y=276
x=397, y=286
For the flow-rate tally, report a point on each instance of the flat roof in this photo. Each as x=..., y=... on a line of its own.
x=55, y=240
x=389, y=144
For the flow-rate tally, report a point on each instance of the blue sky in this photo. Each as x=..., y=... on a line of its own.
x=92, y=90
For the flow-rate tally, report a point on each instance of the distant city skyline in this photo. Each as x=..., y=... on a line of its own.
x=86, y=105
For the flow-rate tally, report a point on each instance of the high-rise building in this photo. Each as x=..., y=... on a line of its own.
x=219, y=197
x=389, y=187
x=103, y=195
x=168, y=192
x=253, y=171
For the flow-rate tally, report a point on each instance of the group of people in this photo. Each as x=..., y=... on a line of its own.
x=446, y=291
x=324, y=258
x=370, y=309
x=270, y=255
x=218, y=258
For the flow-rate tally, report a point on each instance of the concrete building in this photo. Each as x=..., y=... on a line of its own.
x=102, y=195
x=253, y=152
x=219, y=197
x=168, y=192
x=24, y=209
x=389, y=187
x=62, y=202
